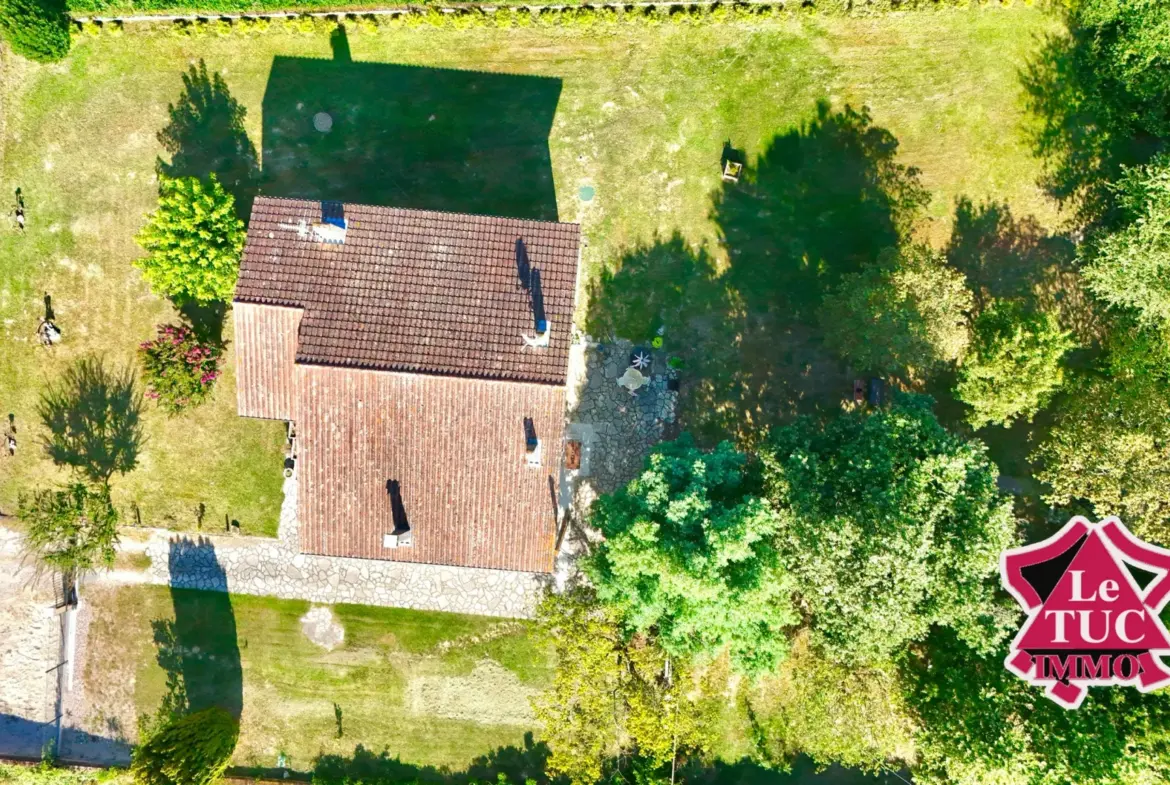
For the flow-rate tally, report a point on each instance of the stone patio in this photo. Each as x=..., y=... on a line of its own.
x=617, y=429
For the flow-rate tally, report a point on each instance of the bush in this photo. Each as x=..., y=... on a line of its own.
x=36, y=29
x=193, y=750
x=180, y=369
x=193, y=241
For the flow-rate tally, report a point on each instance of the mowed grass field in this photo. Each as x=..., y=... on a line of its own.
x=637, y=114
x=437, y=689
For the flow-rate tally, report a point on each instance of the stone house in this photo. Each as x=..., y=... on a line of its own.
x=420, y=358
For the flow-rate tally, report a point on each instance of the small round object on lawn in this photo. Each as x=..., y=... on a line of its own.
x=322, y=122
x=586, y=193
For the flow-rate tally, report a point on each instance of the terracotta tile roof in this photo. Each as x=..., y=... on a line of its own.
x=416, y=290
x=454, y=449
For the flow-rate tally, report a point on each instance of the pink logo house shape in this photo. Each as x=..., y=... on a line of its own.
x=1090, y=623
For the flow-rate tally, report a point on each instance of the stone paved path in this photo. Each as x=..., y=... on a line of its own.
x=253, y=565
x=30, y=639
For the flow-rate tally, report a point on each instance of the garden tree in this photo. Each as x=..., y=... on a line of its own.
x=609, y=690
x=905, y=313
x=1130, y=268
x=193, y=241
x=833, y=713
x=889, y=524
x=1100, y=94
x=70, y=529
x=191, y=750
x=36, y=29
x=688, y=556
x=979, y=724
x=1110, y=444
x=1014, y=365
x=92, y=417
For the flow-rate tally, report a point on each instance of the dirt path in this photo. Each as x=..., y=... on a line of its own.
x=29, y=643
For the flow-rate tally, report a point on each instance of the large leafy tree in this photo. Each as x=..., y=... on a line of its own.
x=609, y=692
x=36, y=29
x=889, y=524
x=193, y=241
x=833, y=713
x=1100, y=94
x=191, y=750
x=981, y=725
x=1014, y=365
x=1130, y=268
x=70, y=529
x=688, y=555
x=1110, y=447
x=905, y=313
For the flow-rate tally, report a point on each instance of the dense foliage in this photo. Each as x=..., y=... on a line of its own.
x=191, y=750
x=179, y=367
x=904, y=314
x=1014, y=365
x=193, y=241
x=688, y=556
x=889, y=524
x=73, y=528
x=981, y=725
x=833, y=713
x=609, y=691
x=36, y=29
x=1130, y=268
x=1110, y=446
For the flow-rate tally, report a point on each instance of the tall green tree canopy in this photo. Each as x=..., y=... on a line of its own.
x=688, y=554
x=191, y=750
x=906, y=313
x=36, y=29
x=193, y=241
x=74, y=528
x=889, y=524
x=981, y=725
x=1130, y=268
x=1110, y=447
x=1014, y=365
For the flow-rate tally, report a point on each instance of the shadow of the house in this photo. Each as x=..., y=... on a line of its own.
x=198, y=649
x=408, y=136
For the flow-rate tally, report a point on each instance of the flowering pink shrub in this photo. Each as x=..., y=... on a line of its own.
x=180, y=370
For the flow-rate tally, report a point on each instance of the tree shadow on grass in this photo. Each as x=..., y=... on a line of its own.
x=818, y=203
x=664, y=284
x=517, y=764
x=821, y=201
x=408, y=136
x=198, y=650
x=1088, y=125
x=92, y=415
x=206, y=136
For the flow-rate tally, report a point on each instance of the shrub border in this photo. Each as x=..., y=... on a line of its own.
x=464, y=15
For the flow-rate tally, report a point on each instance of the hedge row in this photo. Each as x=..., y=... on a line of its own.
x=114, y=8
x=526, y=16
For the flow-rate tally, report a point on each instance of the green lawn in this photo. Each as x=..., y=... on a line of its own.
x=639, y=114
x=438, y=689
